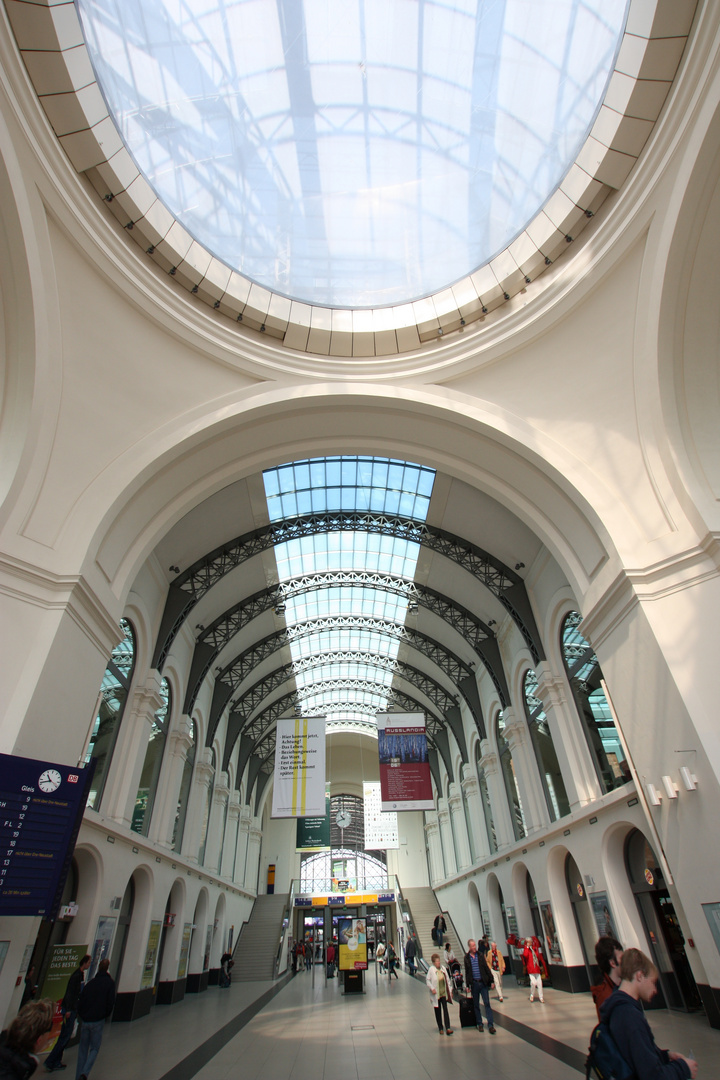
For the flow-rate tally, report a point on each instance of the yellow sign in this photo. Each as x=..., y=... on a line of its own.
x=352, y=939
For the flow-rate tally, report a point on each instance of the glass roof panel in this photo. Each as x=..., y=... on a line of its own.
x=312, y=145
x=355, y=483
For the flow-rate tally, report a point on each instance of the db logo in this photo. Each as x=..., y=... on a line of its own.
x=73, y=778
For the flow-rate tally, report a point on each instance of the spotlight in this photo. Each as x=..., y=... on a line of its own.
x=568, y=238
x=239, y=318
x=589, y=213
x=151, y=250
x=506, y=295
x=462, y=321
x=173, y=271
x=527, y=280
x=174, y=569
x=216, y=305
x=199, y=626
x=109, y=197
x=548, y=260
x=195, y=288
x=484, y=310
x=492, y=622
x=262, y=328
x=440, y=331
x=519, y=565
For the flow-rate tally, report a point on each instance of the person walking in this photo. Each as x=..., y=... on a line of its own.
x=27, y=1037
x=449, y=955
x=534, y=965
x=392, y=960
x=624, y=1016
x=226, y=965
x=308, y=954
x=54, y=1061
x=439, y=926
x=478, y=978
x=439, y=984
x=380, y=954
x=96, y=1003
x=410, y=954
x=330, y=957
x=608, y=956
x=497, y=968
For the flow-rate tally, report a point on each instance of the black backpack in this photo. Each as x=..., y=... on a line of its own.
x=604, y=1060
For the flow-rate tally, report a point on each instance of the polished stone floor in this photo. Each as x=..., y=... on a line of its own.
x=301, y=1031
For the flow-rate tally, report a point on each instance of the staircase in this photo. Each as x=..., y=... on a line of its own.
x=424, y=907
x=257, y=946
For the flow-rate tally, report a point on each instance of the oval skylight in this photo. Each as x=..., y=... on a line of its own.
x=354, y=153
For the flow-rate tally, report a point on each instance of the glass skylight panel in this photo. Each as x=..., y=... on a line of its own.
x=312, y=146
x=345, y=600
x=346, y=551
x=356, y=671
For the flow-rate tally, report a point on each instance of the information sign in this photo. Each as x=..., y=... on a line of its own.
x=64, y=960
x=41, y=807
x=381, y=829
x=313, y=833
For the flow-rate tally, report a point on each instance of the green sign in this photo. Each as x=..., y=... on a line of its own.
x=64, y=960
x=313, y=833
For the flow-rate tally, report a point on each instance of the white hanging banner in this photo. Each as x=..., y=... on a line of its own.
x=299, y=783
x=381, y=829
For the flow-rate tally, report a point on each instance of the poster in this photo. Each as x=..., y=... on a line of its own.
x=352, y=941
x=64, y=959
x=148, y=972
x=405, y=782
x=101, y=946
x=381, y=828
x=603, y=916
x=299, y=778
x=184, y=950
x=511, y=920
x=313, y=833
x=486, y=923
x=552, y=944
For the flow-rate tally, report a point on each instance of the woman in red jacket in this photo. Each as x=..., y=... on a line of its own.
x=535, y=967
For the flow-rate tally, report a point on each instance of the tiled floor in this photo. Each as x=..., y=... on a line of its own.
x=316, y=1033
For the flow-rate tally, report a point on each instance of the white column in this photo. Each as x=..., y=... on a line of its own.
x=573, y=754
x=253, y=858
x=231, y=836
x=459, y=826
x=448, y=847
x=242, y=846
x=532, y=795
x=202, y=782
x=490, y=764
x=476, y=813
x=179, y=741
x=123, y=780
x=432, y=831
x=216, y=824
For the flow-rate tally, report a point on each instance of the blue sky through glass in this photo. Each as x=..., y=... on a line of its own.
x=359, y=483
x=312, y=145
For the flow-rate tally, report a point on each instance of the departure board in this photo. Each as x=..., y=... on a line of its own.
x=41, y=807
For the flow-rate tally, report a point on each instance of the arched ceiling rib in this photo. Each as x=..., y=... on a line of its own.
x=191, y=585
x=217, y=636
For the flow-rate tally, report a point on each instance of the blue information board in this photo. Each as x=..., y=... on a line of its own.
x=41, y=807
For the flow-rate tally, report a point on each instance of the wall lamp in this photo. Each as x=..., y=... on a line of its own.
x=492, y=622
x=174, y=569
x=688, y=778
x=519, y=565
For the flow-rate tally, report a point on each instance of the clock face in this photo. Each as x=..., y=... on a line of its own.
x=50, y=780
x=343, y=819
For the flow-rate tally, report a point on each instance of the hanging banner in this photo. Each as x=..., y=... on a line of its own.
x=299, y=781
x=352, y=939
x=405, y=782
x=313, y=833
x=381, y=829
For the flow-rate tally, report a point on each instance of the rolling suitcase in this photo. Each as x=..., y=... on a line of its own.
x=467, y=1012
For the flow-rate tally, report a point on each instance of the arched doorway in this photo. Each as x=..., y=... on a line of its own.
x=534, y=908
x=584, y=920
x=661, y=924
x=123, y=929
x=477, y=925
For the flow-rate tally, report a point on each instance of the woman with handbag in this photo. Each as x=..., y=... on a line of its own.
x=439, y=984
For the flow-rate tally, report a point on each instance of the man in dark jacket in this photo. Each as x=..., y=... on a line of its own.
x=410, y=954
x=624, y=1016
x=439, y=927
x=54, y=1062
x=478, y=978
x=94, y=1007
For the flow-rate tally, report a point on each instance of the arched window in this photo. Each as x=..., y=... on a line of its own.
x=112, y=700
x=150, y=774
x=511, y=784
x=548, y=764
x=584, y=674
x=206, y=813
x=184, y=793
x=485, y=802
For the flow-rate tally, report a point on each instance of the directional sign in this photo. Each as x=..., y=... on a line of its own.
x=41, y=807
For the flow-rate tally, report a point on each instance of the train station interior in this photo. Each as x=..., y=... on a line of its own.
x=358, y=360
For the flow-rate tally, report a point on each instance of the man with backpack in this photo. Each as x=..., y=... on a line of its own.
x=623, y=1018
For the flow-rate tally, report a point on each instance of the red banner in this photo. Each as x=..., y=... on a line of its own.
x=405, y=782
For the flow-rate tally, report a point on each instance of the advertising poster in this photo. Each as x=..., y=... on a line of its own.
x=381, y=828
x=486, y=922
x=63, y=961
x=552, y=944
x=313, y=833
x=101, y=945
x=405, y=782
x=299, y=778
x=148, y=972
x=603, y=916
x=184, y=951
x=352, y=941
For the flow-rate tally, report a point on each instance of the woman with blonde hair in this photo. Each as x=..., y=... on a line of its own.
x=27, y=1036
x=496, y=963
x=439, y=984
